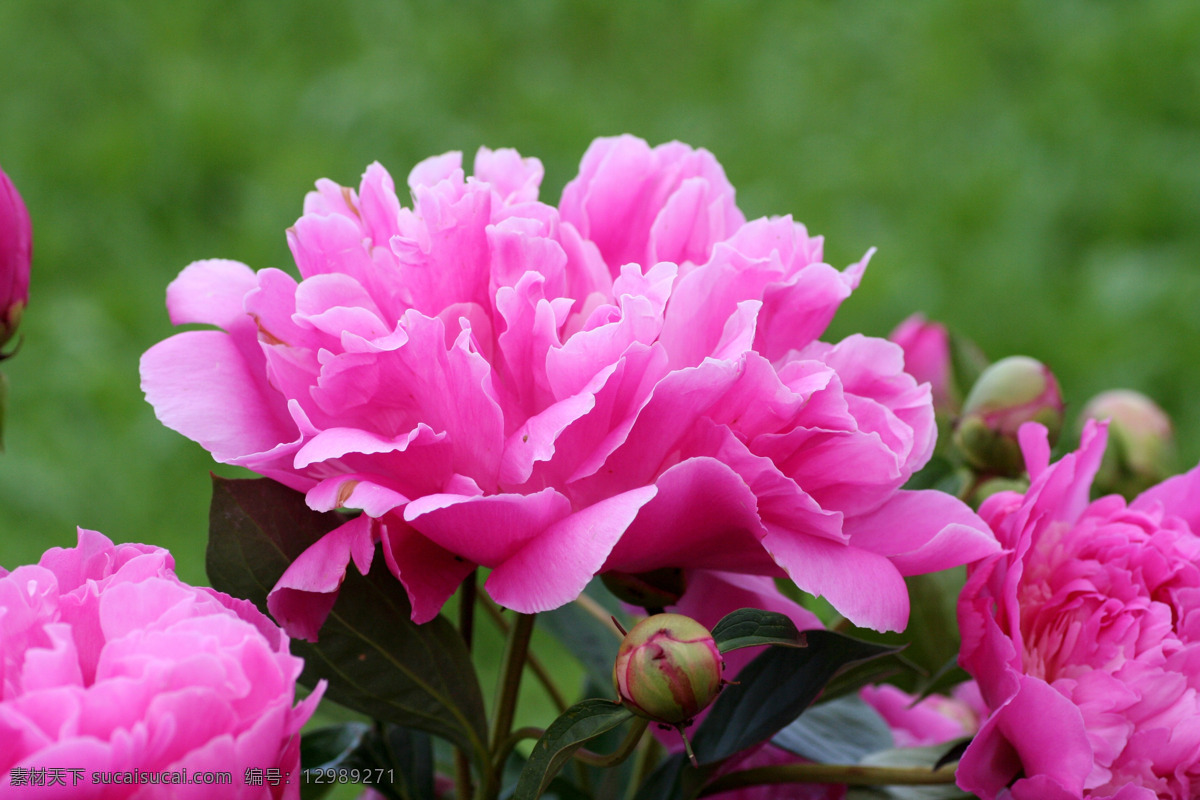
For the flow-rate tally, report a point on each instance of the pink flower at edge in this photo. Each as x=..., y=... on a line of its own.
x=927, y=357
x=110, y=664
x=628, y=382
x=16, y=254
x=1084, y=636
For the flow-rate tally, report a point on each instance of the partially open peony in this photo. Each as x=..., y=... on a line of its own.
x=627, y=382
x=118, y=678
x=1084, y=636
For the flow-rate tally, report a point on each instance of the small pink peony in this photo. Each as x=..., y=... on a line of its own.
x=16, y=253
x=112, y=667
x=927, y=357
x=628, y=382
x=1084, y=636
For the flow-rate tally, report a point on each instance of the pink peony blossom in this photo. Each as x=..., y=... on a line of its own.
x=927, y=357
x=111, y=666
x=629, y=382
x=1084, y=636
x=16, y=252
x=936, y=719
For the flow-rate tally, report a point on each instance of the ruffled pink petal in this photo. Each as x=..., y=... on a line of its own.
x=1039, y=732
x=554, y=567
x=702, y=517
x=429, y=572
x=923, y=531
x=486, y=529
x=201, y=386
x=210, y=292
x=515, y=179
x=307, y=590
x=864, y=587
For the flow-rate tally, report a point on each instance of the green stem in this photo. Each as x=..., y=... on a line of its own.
x=852, y=774
x=510, y=744
x=623, y=751
x=535, y=665
x=466, y=628
x=516, y=648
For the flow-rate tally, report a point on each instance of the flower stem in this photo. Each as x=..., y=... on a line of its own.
x=516, y=648
x=853, y=774
x=466, y=628
x=535, y=665
x=623, y=751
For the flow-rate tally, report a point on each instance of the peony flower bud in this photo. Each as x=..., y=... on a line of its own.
x=1141, y=442
x=1009, y=393
x=668, y=669
x=16, y=248
x=927, y=357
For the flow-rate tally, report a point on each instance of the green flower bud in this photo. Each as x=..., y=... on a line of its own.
x=1141, y=442
x=1009, y=393
x=668, y=669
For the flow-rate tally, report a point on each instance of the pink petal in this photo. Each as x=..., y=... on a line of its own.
x=553, y=568
x=201, y=385
x=211, y=292
x=864, y=587
x=702, y=517
x=923, y=531
x=307, y=590
x=429, y=572
x=486, y=529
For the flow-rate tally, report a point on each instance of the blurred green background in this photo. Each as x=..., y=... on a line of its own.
x=1029, y=171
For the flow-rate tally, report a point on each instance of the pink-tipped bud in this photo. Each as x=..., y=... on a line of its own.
x=16, y=251
x=668, y=669
x=1009, y=393
x=927, y=358
x=1141, y=442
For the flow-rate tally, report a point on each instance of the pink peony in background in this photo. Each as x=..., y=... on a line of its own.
x=111, y=664
x=1084, y=636
x=927, y=357
x=16, y=253
x=632, y=380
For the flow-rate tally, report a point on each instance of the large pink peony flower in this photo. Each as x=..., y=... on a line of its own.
x=1084, y=636
x=114, y=671
x=628, y=382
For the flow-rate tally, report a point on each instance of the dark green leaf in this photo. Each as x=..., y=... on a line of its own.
x=748, y=627
x=374, y=657
x=841, y=731
x=773, y=689
x=576, y=726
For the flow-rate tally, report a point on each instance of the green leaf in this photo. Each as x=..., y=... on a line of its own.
x=748, y=627
x=576, y=726
x=773, y=689
x=841, y=731
x=374, y=657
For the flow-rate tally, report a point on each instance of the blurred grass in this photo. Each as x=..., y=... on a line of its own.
x=1030, y=173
